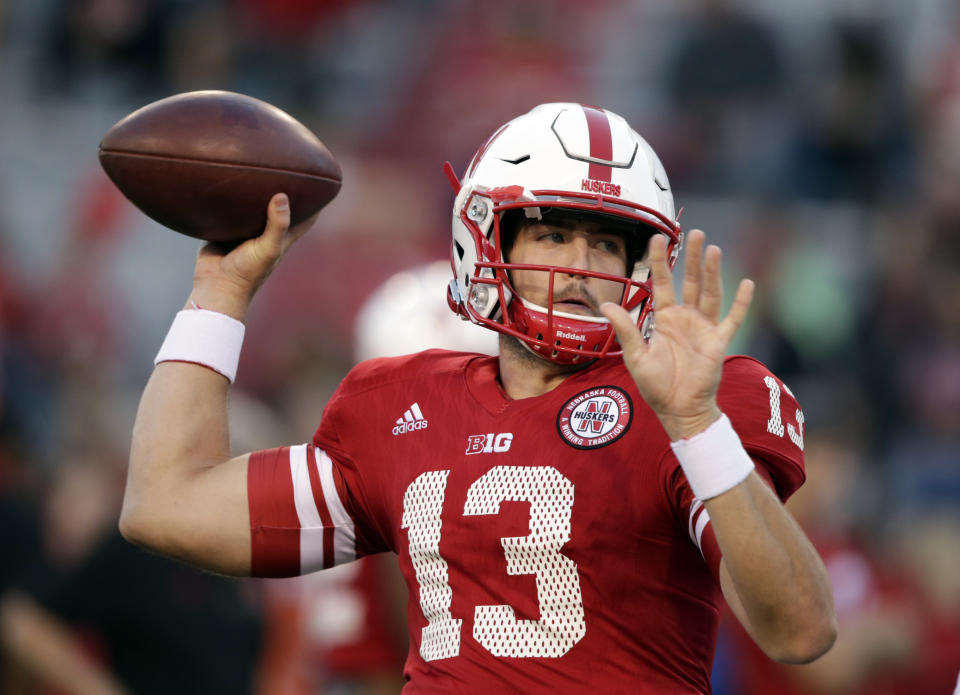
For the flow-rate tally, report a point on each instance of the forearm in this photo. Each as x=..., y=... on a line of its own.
x=40, y=644
x=779, y=581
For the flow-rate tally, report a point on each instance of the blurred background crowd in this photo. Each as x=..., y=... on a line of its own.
x=818, y=142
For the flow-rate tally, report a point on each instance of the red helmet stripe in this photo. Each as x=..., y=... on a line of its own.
x=601, y=142
x=483, y=148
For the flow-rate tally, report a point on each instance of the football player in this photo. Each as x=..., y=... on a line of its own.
x=569, y=514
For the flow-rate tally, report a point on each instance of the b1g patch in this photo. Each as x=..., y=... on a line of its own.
x=595, y=417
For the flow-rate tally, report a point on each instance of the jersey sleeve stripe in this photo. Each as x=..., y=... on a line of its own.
x=699, y=518
x=311, y=525
x=274, y=524
x=344, y=534
x=701, y=525
x=318, y=499
x=694, y=508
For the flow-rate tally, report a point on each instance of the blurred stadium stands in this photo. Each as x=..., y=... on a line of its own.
x=817, y=142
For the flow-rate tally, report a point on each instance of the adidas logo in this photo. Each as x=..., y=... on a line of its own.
x=412, y=420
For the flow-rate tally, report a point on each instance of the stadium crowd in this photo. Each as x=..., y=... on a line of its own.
x=818, y=143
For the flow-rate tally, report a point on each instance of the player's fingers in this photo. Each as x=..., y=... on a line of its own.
x=711, y=294
x=692, y=268
x=278, y=221
x=628, y=335
x=663, y=294
x=738, y=312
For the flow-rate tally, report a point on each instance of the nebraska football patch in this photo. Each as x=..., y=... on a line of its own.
x=595, y=417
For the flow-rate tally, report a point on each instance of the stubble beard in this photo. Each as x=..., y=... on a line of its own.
x=518, y=349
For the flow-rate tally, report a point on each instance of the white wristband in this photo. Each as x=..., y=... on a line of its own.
x=714, y=460
x=204, y=337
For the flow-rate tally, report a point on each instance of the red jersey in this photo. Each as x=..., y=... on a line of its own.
x=549, y=544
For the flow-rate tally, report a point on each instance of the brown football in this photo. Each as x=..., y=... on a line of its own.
x=206, y=163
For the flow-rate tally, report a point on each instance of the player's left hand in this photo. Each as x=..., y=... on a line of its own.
x=678, y=370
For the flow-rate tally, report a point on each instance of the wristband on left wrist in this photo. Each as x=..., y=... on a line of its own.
x=714, y=460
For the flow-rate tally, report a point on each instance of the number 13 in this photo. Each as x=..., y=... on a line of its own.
x=550, y=494
x=775, y=423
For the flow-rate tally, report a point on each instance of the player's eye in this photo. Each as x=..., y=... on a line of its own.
x=614, y=246
x=554, y=237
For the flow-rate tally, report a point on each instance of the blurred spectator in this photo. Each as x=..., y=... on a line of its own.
x=38, y=652
x=35, y=648
x=724, y=79
x=338, y=631
x=854, y=140
x=164, y=627
x=113, y=37
x=4, y=22
x=200, y=51
x=926, y=545
x=156, y=625
x=485, y=63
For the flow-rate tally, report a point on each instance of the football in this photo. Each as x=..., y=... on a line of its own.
x=205, y=164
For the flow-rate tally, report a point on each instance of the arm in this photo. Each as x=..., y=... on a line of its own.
x=45, y=648
x=185, y=496
x=770, y=574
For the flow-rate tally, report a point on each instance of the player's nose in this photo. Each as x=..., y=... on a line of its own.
x=578, y=253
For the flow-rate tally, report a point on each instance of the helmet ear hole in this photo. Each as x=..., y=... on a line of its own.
x=459, y=249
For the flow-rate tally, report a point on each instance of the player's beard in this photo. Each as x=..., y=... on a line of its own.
x=516, y=348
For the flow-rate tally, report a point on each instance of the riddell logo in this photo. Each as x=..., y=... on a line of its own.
x=412, y=420
x=572, y=336
x=604, y=187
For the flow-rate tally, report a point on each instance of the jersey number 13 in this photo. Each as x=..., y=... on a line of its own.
x=550, y=494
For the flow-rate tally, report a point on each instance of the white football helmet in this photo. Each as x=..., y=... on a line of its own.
x=407, y=314
x=557, y=156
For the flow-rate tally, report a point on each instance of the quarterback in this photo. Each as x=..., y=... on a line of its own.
x=568, y=515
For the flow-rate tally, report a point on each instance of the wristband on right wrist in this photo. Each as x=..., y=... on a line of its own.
x=714, y=460
x=208, y=338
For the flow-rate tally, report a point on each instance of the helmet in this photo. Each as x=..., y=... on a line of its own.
x=556, y=157
x=407, y=314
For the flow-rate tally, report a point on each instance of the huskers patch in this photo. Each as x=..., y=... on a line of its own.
x=595, y=417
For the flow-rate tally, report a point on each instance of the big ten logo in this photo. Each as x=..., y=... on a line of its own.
x=489, y=443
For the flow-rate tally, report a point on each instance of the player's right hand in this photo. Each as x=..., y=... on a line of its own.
x=226, y=277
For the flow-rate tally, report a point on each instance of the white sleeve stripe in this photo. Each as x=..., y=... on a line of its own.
x=697, y=503
x=344, y=537
x=701, y=525
x=311, y=526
